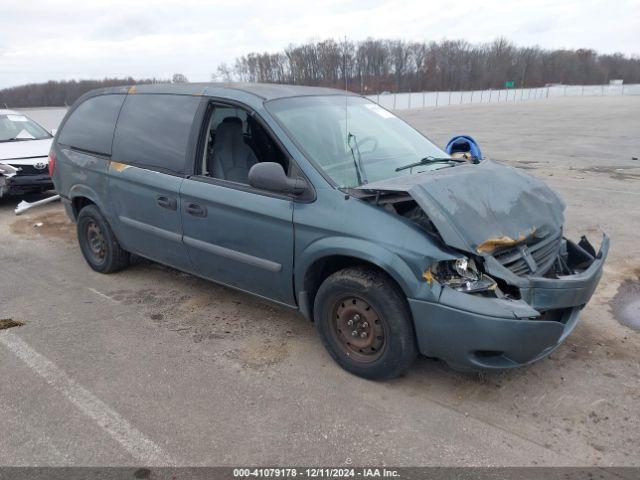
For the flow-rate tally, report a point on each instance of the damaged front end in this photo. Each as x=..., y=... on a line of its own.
x=6, y=173
x=516, y=289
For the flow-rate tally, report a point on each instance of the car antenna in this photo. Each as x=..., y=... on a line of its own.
x=346, y=91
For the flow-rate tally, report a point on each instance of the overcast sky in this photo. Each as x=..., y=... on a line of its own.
x=41, y=40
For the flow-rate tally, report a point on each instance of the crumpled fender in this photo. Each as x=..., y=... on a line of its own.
x=410, y=282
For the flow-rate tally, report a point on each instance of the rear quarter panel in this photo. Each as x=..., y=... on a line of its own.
x=79, y=174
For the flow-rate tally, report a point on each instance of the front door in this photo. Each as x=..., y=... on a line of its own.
x=239, y=238
x=233, y=233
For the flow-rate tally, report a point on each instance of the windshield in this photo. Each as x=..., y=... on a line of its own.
x=353, y=140
x=16, y=127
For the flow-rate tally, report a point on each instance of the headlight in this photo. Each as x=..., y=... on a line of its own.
x=460, y=274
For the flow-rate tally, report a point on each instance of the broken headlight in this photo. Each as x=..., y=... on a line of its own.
x=462, y=275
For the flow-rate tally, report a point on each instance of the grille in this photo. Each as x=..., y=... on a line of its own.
x=30, y=169
x=536, y=257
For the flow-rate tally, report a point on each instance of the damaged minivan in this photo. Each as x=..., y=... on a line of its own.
x=327, y=203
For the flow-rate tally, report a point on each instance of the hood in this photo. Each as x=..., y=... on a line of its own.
x=479, y=207
x=25, y=149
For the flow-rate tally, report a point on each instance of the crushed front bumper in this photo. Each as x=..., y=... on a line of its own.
x=474, y=332
x=19, y=184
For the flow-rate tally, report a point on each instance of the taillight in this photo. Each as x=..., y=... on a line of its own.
x=52, y=162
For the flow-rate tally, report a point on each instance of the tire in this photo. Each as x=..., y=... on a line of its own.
x=361, y=300
x=99, y=245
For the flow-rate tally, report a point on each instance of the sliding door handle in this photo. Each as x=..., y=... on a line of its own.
x=167, y=202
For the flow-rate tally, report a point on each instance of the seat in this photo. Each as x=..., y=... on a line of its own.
x=231, y=158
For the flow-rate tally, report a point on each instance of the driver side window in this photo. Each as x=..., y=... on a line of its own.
x=236, y=141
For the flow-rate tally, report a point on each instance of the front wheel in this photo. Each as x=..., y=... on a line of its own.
x=364, y=323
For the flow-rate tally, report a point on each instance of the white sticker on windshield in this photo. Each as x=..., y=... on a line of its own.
x=379, y=110
x=17, y=118
x=24, y=135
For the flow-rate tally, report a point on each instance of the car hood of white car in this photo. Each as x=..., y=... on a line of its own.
x=23, y=151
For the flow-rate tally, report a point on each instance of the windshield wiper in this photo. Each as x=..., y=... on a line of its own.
x=429, y=159
x=360, y=173
x=16, y=139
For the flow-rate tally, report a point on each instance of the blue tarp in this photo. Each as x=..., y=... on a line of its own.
x=464, y=144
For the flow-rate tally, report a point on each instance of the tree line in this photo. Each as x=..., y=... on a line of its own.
x=377, y=65
x=65, y=92
x=380, y=65
x=58, y=93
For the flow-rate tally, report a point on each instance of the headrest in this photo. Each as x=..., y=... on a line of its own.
x=229, y=132
x=234, y=120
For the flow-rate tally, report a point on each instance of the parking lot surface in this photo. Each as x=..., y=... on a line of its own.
x=153, y=366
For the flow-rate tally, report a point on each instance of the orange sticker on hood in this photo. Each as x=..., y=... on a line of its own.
x=492, y=244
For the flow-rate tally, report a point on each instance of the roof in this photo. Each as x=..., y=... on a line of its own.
x=265, y=91
x=270, y=91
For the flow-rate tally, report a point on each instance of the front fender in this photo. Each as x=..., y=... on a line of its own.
x=411, y=283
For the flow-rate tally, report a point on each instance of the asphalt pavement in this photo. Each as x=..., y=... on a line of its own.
x=156, y=367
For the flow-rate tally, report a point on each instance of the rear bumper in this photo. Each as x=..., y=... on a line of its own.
x=471, y=332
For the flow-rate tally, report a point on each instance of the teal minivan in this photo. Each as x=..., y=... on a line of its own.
x=327, y=203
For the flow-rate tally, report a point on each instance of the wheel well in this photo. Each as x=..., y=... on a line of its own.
x=78, y=203
x=323, y=267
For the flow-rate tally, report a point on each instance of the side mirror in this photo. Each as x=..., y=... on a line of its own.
x=270, y=176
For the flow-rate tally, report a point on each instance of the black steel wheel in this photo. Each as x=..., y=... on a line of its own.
x=95, y=240
x=99, y=245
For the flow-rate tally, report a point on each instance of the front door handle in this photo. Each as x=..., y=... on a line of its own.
x=196, y=210
x=167, y=202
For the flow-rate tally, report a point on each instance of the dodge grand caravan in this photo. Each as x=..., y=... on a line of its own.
x=327, y=203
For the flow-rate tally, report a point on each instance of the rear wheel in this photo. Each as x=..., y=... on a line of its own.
x=99, y=245
x=364, y=322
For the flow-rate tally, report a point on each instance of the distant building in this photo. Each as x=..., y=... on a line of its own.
x=615, y=82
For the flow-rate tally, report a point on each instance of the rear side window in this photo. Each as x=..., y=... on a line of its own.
x=153, y=131
x=90, y=126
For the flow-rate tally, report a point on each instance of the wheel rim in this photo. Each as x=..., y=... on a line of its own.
x=358, y=329
x=95, y=240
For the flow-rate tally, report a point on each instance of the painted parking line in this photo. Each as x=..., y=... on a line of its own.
x=135, y=442
x=103, y=295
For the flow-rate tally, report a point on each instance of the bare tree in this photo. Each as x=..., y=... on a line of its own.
x=375, y=65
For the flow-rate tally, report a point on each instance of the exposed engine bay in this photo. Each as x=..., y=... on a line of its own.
x=506, y=226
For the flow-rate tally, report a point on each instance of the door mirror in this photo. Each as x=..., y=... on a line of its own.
x=270, y=176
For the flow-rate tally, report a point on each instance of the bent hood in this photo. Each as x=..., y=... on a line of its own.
x=25, y=149
x=479, y=207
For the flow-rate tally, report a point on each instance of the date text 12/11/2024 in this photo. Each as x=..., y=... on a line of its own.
x=315, y=472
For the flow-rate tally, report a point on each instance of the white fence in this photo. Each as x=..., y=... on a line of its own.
x=405, y=101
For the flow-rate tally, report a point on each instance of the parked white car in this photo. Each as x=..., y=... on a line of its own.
x=24, y=151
